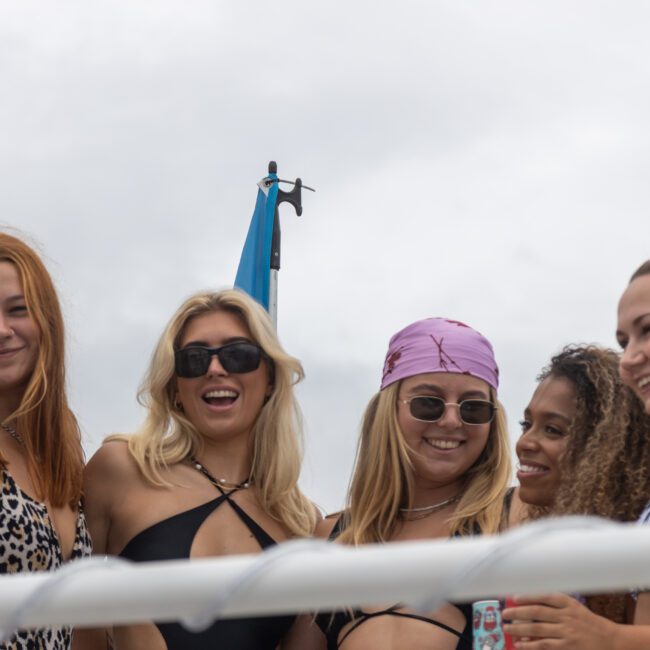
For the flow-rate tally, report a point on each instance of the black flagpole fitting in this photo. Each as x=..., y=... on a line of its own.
x=295, y=198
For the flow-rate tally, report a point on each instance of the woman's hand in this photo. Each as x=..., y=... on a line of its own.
x=557, y=622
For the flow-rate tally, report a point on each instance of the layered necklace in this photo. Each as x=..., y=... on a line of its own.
x=411, y=514
x=13, y=433
x=220, y=482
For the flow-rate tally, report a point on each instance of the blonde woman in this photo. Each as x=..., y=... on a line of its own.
x=213, y=469
x=433, y=461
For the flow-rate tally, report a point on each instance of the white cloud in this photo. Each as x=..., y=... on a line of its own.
x=482, y=161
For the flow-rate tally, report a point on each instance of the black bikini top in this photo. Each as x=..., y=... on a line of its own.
x=171, y=539
x=331, y=624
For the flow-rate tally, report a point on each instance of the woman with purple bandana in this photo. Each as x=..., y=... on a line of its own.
x=433, y=461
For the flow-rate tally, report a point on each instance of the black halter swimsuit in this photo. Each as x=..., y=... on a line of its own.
x=331, y=624
x=171, y=539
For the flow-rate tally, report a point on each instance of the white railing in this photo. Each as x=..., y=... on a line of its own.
x=571, y=555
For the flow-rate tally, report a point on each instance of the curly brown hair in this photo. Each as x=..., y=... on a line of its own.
x=644, y=269
x=606, y=466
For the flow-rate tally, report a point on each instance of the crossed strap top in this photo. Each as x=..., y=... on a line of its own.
x=331, y=624
x=171, y=539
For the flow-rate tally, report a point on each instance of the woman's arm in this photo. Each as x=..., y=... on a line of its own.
x=101, y=480
x=110, y=478
x=305, y=634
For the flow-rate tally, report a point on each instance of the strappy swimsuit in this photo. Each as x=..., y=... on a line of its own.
x=171, y=539
x=332, y=624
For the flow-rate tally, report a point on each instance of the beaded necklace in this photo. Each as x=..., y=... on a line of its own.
x=221, y=482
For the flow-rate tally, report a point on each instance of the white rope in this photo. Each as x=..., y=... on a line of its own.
x=508, y=544
x=246, y=579
x=571, y=554
x=48, y=590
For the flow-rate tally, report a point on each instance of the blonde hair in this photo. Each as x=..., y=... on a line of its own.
x=167, y=436
x=52, y=439
x=382, y=481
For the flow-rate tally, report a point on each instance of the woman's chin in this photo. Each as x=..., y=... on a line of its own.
x=535, y=497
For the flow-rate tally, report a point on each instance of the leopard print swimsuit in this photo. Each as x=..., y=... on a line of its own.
x=28, y=542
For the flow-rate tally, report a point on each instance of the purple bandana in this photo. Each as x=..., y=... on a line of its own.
x=439, y=345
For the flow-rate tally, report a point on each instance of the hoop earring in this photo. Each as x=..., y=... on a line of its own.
x=179, y=406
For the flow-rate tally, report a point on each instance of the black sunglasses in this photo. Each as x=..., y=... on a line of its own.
x=431, y=409
x=238, y=357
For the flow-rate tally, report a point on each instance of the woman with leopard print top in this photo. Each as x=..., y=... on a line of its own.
x=41, y=460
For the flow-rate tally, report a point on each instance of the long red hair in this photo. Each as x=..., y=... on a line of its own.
x=43, y=418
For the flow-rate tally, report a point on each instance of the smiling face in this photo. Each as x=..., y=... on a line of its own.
x=442, y=451
x=19, y=338
x=633, y=335
x=219, y=404
x=544, y=439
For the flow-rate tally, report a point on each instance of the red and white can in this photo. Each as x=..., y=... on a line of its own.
x=487, y=626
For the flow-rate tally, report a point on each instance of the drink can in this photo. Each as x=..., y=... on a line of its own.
x=509, y=643
x=487, y=625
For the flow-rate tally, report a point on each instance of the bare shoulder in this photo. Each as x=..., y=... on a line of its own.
x=109, y=474
x=325, y=526
x=112, y=460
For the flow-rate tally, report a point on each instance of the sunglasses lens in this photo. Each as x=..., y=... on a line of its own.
x=428, y=409
x=192, y=362
x=472, y=411
x=476, y=411
x=236, y=358
x=240, y=357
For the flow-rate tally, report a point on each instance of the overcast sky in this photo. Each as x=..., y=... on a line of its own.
x=485, y=161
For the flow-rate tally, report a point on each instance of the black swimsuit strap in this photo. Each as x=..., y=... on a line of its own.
x=417, y=617
x=351, y=629
x=337, y=530
x=362, y=618
x=264, y=539
x=392, y=611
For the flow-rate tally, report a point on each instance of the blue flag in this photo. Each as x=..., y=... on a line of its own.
x=254, y=269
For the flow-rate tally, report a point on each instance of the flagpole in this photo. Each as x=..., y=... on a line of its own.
x=295, y=198
x=259, y=264
x=275, y=257
x=273, y=297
